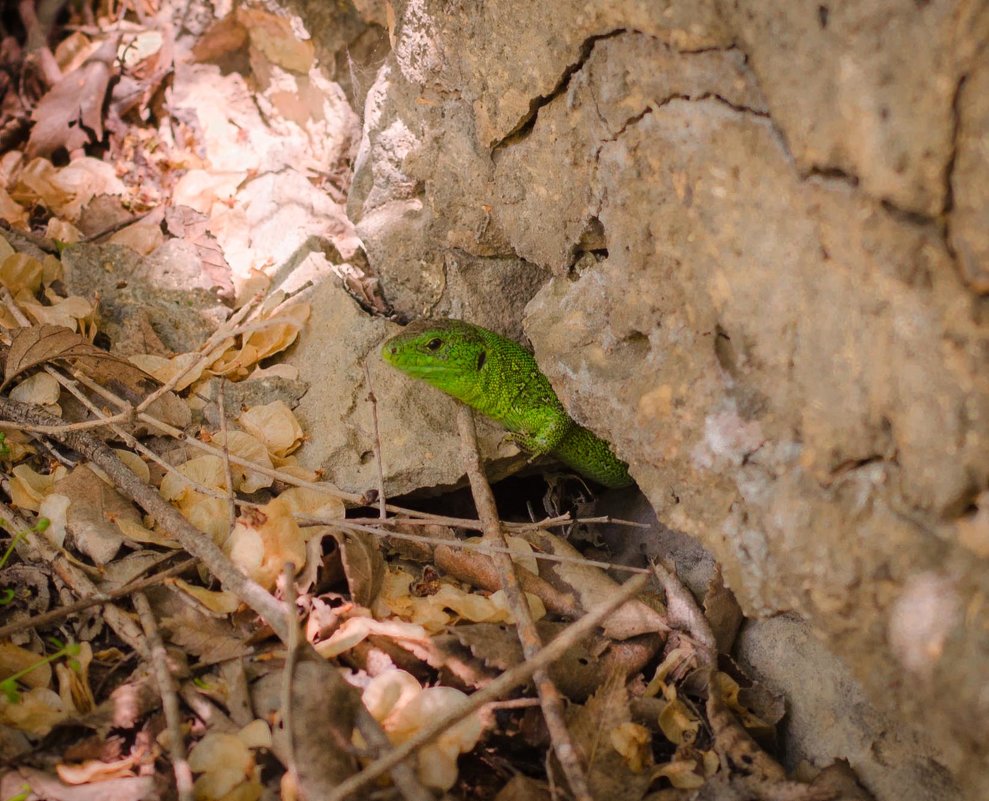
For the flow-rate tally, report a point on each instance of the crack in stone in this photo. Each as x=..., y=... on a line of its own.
x=528, y=122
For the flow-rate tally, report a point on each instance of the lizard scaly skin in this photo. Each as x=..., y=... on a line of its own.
x=500, y=379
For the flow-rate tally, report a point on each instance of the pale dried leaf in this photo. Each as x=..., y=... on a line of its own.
x=141, y=237
x=164, y=370
x=437, y=763
x=29, y=488
x=66, y=312
x=55, y=509
x=224, y=761
x=221, y=603
x=36, y=711
x=14, y=659
x=73, y=683
x=135, y=464
x=94, y=770
x=95, y=507
x=61, y=231
x=275, y=425
x=21, y=272
x=245, y=446
x=39, y=388
x=679, y=723
x=263, y=540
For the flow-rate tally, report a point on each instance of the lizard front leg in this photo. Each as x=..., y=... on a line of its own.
x=543, y=432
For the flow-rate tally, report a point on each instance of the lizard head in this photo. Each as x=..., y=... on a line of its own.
x=448, y=354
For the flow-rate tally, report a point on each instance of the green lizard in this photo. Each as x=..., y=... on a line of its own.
x=500, y=379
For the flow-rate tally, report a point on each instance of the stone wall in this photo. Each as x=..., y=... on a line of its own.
x=761, y=237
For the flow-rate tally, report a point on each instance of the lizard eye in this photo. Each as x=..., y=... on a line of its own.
x=482, y=357
x=434, y=344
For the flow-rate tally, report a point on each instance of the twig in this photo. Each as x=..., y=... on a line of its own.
x=227, y=471
x=94, y=600
x=169, y=698
x=288, y=674
x=479, y=547
x=500, y=686
x=382, y=511
x=551, y=700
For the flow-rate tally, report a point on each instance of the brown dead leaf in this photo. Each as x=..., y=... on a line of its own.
x=70, y=116
x=611, y=773
x=722, y=612
x=193, y=227
x=35, y=345
x=363, y=564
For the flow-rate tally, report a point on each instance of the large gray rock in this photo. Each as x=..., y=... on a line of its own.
x=761, y=290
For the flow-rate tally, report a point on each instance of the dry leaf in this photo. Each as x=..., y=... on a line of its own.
x=21, y=272
x=35, y=712
x=70, y=116
x=220, y=603
x=94, y=512
x=39, y=388
x=264, y=539
x=28, y=488
x=14, y=659
x=402, y=707
x=94, y=770
x=243, y=445
x=36, y=345
x=609, y=772
x=275, y=425
x=679, y=723
x=363, y=564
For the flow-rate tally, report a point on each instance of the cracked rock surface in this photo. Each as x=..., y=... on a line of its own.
x=747, y=241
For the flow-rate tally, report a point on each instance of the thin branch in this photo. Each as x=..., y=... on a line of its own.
x=497, y=688
x=485, y=548
x=94, y=600
x=227, y=471
x=169, y=698
x=288, y=674
x=554, y=711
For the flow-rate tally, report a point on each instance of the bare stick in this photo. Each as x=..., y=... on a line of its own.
x=94, y=600
x=551, y=700
x=506, y=682
x=169, y=698
x=288, y=674
x=382, y=511
x=479, y=547
x=227, y=471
